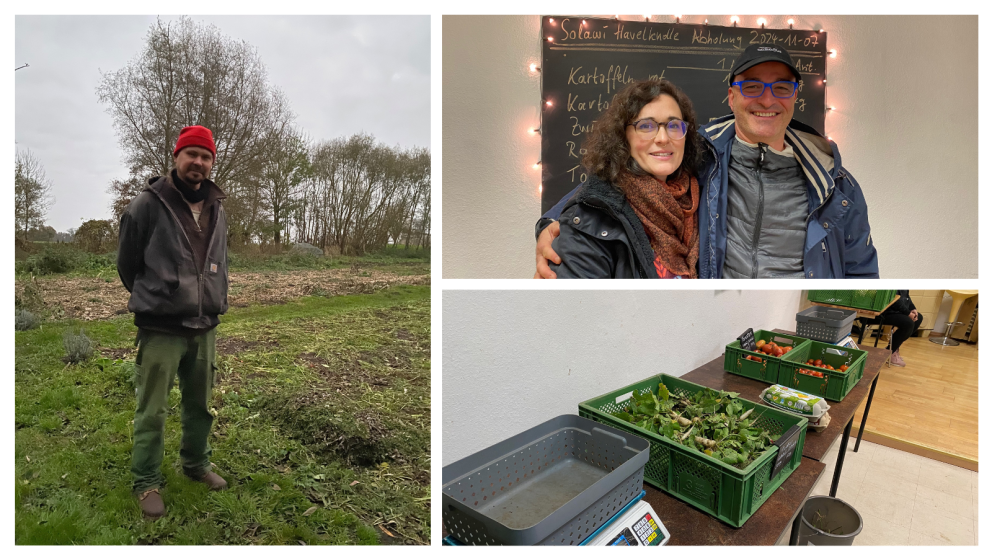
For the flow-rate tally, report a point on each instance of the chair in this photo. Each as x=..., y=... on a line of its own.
x=957, y=299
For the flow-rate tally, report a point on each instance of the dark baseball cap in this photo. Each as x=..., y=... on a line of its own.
x=759, y=54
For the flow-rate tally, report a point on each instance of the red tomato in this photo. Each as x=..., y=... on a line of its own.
x=843, y=368
x=817, y=362
x=787, y=349
x=778, y=352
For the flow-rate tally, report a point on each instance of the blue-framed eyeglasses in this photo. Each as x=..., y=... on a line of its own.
x=754, y=88
x=649, y=127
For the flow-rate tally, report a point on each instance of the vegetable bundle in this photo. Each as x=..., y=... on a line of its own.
x=713, y=422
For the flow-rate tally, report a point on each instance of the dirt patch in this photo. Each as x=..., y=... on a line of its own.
x=405, y=335
x=114, y=354
x=373, y=422
x=342, y=376
x=361, y=438
x=423, y=478
x=235, y=345
x=98, y=298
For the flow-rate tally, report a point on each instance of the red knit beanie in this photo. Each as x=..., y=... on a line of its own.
x=196, y=136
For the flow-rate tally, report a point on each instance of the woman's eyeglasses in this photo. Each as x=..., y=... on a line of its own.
x=648, y=127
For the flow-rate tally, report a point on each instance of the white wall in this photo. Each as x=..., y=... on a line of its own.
x=906, y=90
x=513, y=359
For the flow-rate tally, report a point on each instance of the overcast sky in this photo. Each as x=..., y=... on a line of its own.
x=341, y=74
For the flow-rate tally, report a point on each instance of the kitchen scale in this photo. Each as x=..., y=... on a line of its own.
x=847, y=342
x=634, y=525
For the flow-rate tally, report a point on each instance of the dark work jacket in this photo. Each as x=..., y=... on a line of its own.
x=902, y=306
x=156, y=262
x=602, y=237
x=838, y=237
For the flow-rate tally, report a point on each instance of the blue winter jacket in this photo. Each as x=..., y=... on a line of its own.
x=838, y=236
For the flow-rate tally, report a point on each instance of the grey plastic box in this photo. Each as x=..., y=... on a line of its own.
x=829, y=325
x=554, y=484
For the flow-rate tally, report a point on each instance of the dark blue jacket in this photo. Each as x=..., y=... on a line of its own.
x=838, y=236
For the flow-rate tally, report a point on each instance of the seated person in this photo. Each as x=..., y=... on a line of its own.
x=904, y=319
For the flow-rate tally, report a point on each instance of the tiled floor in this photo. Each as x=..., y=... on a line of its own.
x=905, y=499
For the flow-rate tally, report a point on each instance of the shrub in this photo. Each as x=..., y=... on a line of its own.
x=30, y=297
x=55, y=258
x=63, y=258
x=96, y=236
x=304, y=248
x=25, y=320
x=77, y=347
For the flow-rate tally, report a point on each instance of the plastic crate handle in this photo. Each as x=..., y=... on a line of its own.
x=764, y=364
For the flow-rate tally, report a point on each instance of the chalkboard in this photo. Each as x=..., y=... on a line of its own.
x=747, y=340
x=786, y=447
x=588, y=60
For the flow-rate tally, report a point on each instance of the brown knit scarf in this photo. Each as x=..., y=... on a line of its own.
x=668, y=212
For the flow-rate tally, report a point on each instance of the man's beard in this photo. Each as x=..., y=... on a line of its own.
x=189, y=181
x=188, y=193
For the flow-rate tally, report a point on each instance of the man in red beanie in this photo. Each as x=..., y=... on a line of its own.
x=172, y=258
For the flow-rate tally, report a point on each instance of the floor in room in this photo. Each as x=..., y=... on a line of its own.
x=904, y=499
x=931, y=403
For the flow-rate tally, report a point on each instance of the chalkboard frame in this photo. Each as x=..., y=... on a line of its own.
x=561, y=151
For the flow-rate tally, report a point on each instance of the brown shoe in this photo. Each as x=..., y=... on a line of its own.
x=213, y=480
x=151, y=504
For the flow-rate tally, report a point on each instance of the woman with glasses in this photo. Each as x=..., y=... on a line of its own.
x=636, y=215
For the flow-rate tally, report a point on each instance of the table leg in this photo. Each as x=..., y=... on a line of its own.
x=840, y=458
x=861, y=333
x=864, y=417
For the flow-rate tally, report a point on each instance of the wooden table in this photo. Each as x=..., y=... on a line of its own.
x=688, y=525
x=712, y=375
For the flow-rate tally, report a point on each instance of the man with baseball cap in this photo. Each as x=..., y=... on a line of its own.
x=172, y=258
x=775, y=200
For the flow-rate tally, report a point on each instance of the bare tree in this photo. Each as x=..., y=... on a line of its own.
x=32, y=193
x=122, y=192
x=189, y=73
x=361, y=194
x=282, y=174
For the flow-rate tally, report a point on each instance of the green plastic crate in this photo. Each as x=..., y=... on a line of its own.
x=730, y=494
x=876, y=301
x=834, y=384
x=768, y=369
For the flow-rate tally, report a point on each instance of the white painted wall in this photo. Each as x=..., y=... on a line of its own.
x=906, y=90
x=513, y=359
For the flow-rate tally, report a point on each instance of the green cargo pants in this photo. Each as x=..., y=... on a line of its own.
x=161, y=357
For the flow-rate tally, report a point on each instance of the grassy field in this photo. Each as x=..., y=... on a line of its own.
x=322, y=430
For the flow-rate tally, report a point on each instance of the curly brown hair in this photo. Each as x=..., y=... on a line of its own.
x=607, y=151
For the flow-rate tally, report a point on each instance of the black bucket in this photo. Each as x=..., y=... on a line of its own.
x=828, y=521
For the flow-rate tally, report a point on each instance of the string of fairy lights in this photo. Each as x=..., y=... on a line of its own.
x=678, y=19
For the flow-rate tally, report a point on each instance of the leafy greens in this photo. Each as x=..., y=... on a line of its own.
x=709, y=421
